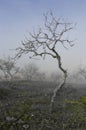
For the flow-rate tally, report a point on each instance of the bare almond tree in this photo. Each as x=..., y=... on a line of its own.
x=8, y=68
x=30, y=71
x=45, y=42
x=82, y=71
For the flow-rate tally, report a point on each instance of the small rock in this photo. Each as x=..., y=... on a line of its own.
x=25, y=126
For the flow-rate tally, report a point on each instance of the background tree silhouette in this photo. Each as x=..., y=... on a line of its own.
x=8, y=68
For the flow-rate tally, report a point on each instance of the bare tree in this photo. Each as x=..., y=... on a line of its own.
x=82, y=71
x=8, y=68
x=30, y=71
x=45, y=42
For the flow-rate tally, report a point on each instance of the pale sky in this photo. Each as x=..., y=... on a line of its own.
x=18, y=17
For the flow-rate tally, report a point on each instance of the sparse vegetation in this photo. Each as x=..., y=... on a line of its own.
x=28, y=109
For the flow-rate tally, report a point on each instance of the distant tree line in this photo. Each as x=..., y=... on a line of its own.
x=9, y=71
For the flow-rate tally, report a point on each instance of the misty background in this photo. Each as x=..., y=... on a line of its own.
x=19, y=17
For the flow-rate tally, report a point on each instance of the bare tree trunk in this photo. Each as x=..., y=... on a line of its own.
x=55, y=94
x=61, y=85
